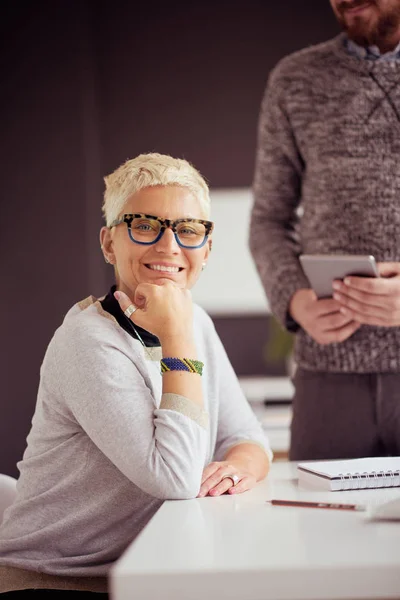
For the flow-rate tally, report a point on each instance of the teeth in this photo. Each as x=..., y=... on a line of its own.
x=162, y=268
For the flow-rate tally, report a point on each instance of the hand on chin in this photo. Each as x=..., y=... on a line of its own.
x=163, y=280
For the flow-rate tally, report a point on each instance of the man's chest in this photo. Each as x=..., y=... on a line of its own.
x=354, y=118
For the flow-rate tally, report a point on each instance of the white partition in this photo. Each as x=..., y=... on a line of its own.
x=230, y=284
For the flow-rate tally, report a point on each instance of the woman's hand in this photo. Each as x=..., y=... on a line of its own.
x=164, y=310
x=214, y=482
x=167, y=311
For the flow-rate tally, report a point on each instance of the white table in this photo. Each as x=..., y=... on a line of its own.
x=242, y=548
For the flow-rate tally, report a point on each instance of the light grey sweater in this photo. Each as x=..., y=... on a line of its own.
x=329, y=142
x=106, y=447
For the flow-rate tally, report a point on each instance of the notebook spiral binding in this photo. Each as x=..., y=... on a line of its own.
x=375, y=479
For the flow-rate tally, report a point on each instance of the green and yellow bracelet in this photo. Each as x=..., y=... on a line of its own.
x=181, y=364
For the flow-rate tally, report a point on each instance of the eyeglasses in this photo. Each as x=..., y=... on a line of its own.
x=148, y=229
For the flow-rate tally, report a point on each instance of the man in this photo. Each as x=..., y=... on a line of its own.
x=327, y=181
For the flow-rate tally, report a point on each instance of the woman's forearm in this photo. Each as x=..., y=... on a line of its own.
x=181, y=382
x=249, y=457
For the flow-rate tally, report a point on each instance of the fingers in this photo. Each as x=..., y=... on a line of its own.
x=212, y=476
x=123, y=300
x=325, y=306
x=343, y=290
x=337, y=335
x=370, y=315
x=223, y=486
x=387, y=321
x=142, y=292
x=379, y=286
x=214, y=480
x=322, y=319
x=332, y=328
x=371, y=309
x=362, y=307
x=226, y=485
x=356, y=301
x=389, y=269
x=335, y=320
x=209, y=471
x=246, y=483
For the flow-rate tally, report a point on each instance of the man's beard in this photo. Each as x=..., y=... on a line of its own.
x=367, y=33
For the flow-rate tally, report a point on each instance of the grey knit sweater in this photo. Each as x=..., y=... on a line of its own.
x=107, y=447
x=329, y=142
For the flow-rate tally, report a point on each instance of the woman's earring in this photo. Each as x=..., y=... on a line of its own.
x=105, y=257
x=203, y=266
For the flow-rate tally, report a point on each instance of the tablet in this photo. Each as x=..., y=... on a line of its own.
x=322, y=269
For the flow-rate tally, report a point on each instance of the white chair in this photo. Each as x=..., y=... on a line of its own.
x=8, y=491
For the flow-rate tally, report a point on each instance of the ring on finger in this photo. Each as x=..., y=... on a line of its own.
x=130, y=310
x=235, y=478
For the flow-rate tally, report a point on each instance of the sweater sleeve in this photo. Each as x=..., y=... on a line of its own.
x=237, y=423
x=161, y=450
x=277, y=194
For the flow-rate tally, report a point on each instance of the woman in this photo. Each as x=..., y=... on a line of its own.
x=116, y=431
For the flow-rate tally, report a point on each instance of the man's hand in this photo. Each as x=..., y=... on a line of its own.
x=321, y=319
x=369, y=300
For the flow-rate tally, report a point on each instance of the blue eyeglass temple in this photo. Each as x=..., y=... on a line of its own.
x=160, y=236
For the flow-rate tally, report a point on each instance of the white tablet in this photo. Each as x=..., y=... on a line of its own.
x=322, y=269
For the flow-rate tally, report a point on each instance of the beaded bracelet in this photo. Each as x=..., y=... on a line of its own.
x=181, y=364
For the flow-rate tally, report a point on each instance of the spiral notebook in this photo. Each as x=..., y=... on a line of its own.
x=352, y=474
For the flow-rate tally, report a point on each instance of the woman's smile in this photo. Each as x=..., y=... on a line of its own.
x=167, y=269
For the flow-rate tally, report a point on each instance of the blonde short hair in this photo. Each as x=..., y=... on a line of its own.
x=147, y=170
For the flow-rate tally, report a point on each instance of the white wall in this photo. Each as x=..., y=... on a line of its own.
x=230, y=285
